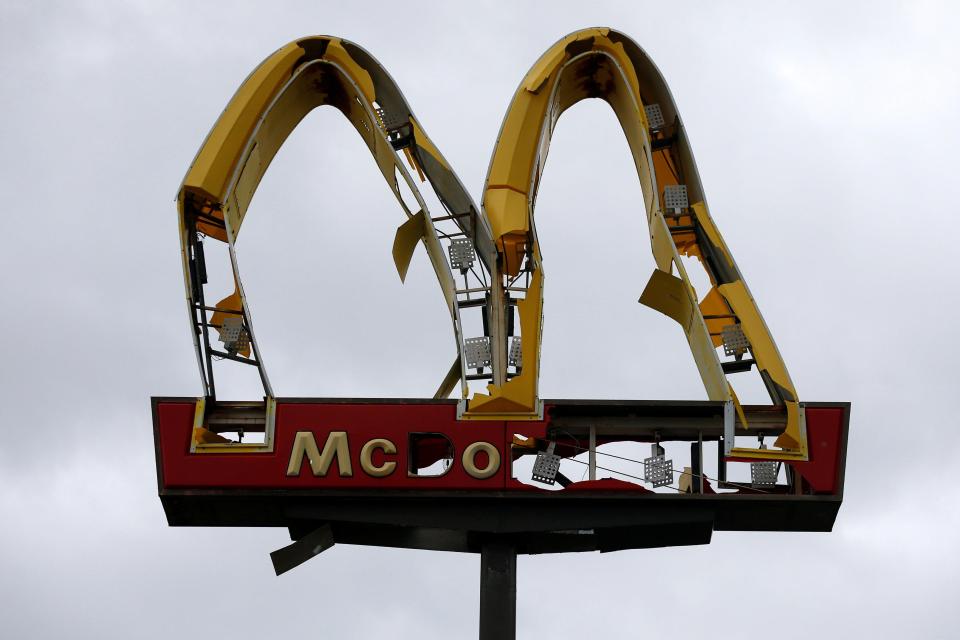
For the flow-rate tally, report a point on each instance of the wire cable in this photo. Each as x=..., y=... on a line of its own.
x=674, y=470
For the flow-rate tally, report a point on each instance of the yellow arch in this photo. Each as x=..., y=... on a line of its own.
x=606, y=64
x=220, y=183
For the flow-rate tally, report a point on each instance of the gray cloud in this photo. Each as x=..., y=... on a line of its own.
x=825, y=136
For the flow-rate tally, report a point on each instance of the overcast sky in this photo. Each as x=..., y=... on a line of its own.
x=826, y=138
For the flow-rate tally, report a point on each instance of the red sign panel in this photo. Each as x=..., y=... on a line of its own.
x=402, y=445
x=341, y=445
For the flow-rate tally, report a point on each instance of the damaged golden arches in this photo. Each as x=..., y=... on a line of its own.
x=487, y=259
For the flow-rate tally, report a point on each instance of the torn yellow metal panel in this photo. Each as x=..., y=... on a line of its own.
x=668, y=295
x=672, y=297
x=405, y=242
x=412, y=161
x=202, y=435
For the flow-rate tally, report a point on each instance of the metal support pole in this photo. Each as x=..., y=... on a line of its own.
x=721, y=463
x=498, y=592
x=593, y=453
x=698, y=479
x=696, y=466
x=497, y=311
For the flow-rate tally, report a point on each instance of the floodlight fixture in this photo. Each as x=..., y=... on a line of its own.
x=515, y=357
x=735, y=342
x=477, y=352
x=675, y=197
x=462, y=253
x=657, y=470
x=233, y=336
x=547, y=465
x=764, y=474
x=654, y=116
x=389, y=121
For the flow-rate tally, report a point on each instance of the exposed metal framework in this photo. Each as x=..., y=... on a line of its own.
x=487, y=260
